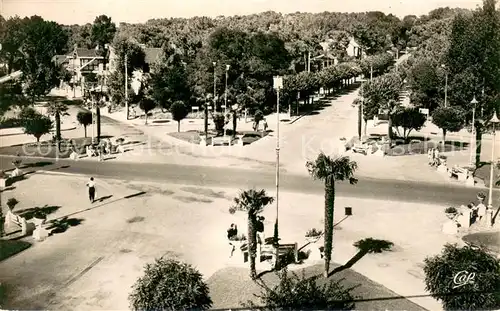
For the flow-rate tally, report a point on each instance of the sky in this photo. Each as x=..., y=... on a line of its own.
x=135, y=11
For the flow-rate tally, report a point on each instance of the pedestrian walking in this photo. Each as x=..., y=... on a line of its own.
x=91, y=186
x=265, y=125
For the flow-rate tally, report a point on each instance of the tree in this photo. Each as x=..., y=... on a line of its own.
x=42, y=41
x=103, y=31
x=304, y=293
x=169, y=81
x=383, y=93
x=38, y=126
x=448, y=119
x=474, y=56
x=252, y=202
x=409, y=119
x=57, y=108
x=179, y=111
x=170, y=285
x=11, y=95
x=147, y=104
x=85, y=119
x=330, y=170
x=446, y=277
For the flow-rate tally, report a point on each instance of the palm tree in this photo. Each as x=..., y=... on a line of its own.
x=253, y=202
x=330, y=170
x=57, y=109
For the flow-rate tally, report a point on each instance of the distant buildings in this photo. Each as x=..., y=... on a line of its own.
x=82, y=62
x=327, y=59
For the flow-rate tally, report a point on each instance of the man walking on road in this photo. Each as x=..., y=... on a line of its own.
x=91, y=186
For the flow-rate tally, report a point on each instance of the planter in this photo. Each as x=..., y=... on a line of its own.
x=451, y=215
x=3, y=182
x=38, y=221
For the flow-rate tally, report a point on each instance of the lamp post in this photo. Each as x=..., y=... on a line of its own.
x=494, y=120
x=225, y=101
x=215, y=108
x=473, y=131
x=74, y=73
x=445, y=85
x=278, y=84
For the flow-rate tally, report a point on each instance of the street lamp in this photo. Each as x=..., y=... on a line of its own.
x=278, y=84
x=445, y=85
x=473, y=131
x=225, y=101
x=215, y=108
x=494, y=120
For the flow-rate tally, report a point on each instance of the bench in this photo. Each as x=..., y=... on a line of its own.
x=360, y=148
x=18, y=220
x=222, y=140
x=459, y=172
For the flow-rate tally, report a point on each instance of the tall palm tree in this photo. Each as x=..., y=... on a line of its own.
x=331, y=170
x=253, y=202
x=57, y=109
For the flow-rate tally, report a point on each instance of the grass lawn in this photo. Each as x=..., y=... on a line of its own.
x=230, y=287
x=417, y=146
x=11, y=247
x=193, y=136
x=46, y=149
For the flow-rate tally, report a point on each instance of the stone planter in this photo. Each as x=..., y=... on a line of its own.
x=38, y=222
x=451, y=215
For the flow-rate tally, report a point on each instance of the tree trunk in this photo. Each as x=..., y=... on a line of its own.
x=58, y=126
x=98, y=121
x=389, y=130
x=359, y=121
x=444, y=140
x=235, y=123
x=252, y=245
x=85, y=130
x=329, y=210
x=178, y=126
x=366, y=125
x=146, y=119
x=479, y=136
x=206, y=121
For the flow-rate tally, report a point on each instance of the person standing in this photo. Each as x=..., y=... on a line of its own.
x=91, y=186
x=232, y=234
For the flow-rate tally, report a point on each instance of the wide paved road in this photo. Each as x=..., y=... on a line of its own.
x=226, y=177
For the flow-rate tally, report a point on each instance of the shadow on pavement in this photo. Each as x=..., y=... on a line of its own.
x=63, y=224
x=38, y=212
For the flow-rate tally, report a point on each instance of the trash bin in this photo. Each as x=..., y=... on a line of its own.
x=348, y=211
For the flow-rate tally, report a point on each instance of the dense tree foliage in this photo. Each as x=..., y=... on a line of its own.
x=408, y=119
x=447, y=278
x=170, y=285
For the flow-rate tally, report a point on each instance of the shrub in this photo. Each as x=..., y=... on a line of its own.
x=10, y=123
x=450, y=210
x=370, y=245
x=446, y=278
x=170, y=285
x=179, y=111
x=11, y=203
x=38, y=126
x=296, y=293
x=313, y=233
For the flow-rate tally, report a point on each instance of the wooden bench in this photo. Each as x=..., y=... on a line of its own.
x=361, y=148
x=459, y=172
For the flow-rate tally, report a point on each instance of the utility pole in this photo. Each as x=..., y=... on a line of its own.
x=225, y=101
x=278, y=84
x=126, y=85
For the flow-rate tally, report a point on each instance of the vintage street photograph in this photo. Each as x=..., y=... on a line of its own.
x=268, y=155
